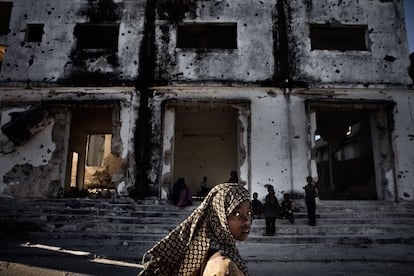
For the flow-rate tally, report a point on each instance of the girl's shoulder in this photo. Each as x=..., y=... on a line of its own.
x=221, y=265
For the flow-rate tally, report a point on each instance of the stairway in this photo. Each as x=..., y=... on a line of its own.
x=129, y=228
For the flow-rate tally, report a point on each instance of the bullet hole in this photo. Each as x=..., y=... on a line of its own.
x=49, y=12
x=406, y=195
x=337, y=71
x=389, y=58
x=245, y=24
x=22, y=44
x=296, y=136
x=42, y=146
x=31, y=60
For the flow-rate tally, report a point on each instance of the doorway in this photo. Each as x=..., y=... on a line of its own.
x=350, y=163
x=91, y=162
x=204, y=140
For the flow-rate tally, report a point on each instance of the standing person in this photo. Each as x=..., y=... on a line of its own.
x=311, y=192
x=271, y=211
x=233, y=177
x=256, y=206
x=203, y=187
x=206, y=240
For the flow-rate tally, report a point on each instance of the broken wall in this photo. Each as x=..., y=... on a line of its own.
x=37, y=167
x=251, y=61
x=57, y=52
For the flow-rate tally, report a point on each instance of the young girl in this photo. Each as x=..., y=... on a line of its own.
x=206, y=241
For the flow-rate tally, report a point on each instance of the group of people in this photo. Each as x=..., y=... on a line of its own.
x=271, y=210
x=205, y=242
x=182, y=195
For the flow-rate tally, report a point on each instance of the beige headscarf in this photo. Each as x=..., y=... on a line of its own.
x=183, y=251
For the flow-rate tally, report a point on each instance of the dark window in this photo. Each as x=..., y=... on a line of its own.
x=341, y=38
x=207, y=35
x=5, y=13
x=34, y=32
x=97, y=36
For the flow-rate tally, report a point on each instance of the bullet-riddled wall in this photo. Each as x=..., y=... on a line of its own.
x=288, y=72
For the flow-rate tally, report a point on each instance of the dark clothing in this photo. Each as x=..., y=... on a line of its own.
x=256, y=208
x=311, y=214
x=287, y=210
x=311, y=192
x=270, y=225
x=271, y=210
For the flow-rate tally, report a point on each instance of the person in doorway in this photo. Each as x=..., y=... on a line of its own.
x=271, y=209
x=182, y=195
x=233, y=177
x=185, y=197
x=256, y=206
x=204, y=189
x=205, y=242
x=178, y=185
x=311, y=192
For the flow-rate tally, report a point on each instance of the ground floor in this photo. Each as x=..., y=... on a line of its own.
x=356, y=144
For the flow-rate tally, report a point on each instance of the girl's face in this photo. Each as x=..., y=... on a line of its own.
x=240, y=221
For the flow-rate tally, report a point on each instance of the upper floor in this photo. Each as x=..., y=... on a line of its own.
x=316, y=43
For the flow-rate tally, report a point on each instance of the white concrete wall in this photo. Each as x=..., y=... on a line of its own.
x=50, y=60
x=386, y=36
x=252, y=60
x=281, y=157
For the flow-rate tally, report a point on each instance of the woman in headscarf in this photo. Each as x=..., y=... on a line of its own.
x=206, y=240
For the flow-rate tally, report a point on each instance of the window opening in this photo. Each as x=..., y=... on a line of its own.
x=5, y=14
x=338, y=37
x=97, y=36
x=207, y=35
x=34, y=32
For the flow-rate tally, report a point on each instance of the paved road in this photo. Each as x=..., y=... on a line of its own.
x=263, y=260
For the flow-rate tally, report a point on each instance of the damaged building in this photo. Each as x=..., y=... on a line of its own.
x=128, y=96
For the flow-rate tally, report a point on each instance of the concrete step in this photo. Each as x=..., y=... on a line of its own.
x=146, y=222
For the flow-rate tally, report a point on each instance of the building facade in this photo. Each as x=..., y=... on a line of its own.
x=131, y=95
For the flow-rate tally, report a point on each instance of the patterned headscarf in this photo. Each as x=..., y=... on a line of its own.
x=183, y=251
